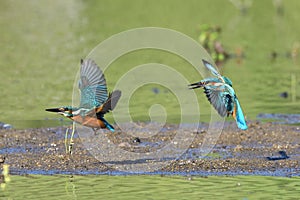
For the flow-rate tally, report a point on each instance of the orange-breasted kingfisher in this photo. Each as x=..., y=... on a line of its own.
x=221, y=95
x=95, y=101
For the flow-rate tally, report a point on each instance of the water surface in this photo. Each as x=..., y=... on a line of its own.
x=151, y=187
x=42, y=43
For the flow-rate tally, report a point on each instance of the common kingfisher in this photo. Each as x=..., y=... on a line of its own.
x=221, y=95
x=95, y=101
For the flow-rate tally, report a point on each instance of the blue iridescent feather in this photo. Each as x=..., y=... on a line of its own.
x=240, y=119
x=221, y=95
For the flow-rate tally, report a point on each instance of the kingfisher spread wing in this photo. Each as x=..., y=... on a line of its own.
x=95, y=101
x=221, y=95
x=92, y=85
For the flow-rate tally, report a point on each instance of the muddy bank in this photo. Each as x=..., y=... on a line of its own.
x=264, y=149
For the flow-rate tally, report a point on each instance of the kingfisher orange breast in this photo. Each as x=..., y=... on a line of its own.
x=92, y=122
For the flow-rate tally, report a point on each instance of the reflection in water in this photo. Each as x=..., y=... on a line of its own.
x=151, y=187
x=70, y=187
x=4, y=176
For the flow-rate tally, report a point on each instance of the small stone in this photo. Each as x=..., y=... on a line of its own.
x=136, y=140
x=238, y=147
x=2, y=159
x=5, y=126
x=124, y=144
x=53, y=145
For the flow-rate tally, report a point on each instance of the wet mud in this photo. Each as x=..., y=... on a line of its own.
x=263, y=149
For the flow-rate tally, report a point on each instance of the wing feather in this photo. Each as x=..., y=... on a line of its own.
x=217, y=99
x=111, y=102
x=90, y=72
x=213, y=70
x=223, y=97
x=92, y=85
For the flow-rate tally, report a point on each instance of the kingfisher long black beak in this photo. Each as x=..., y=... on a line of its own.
x=56, y=109
x=195, y=85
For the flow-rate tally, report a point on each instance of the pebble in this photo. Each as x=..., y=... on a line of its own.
x=2, y=159
x=136, y=140
x=124, y=144
x=238, y=147
x=239, y=154
x=5, y=126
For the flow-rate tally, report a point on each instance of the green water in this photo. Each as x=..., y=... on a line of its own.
x=43, y=41
x=151, y=187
